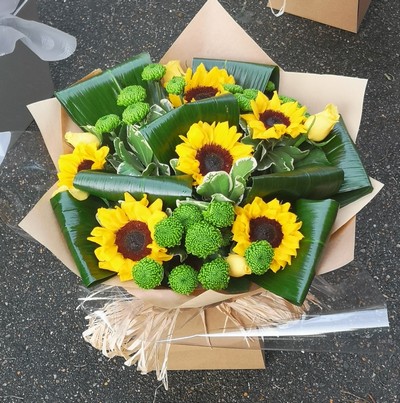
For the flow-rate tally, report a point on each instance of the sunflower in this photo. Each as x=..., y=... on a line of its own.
x=126, y=235
x=84, y=156
x=202, y=84
x=272, y=222
x=208, y=148
x=272, y=119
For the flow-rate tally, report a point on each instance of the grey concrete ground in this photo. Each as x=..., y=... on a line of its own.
x=43, y=357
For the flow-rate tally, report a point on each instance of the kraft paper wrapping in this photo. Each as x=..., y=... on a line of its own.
x=214, y=34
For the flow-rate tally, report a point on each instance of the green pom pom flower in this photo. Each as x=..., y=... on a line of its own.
x=183, y=279
x=148, y=273
x=168, y=232
x=214, y=275
x=244, y=102
x=153, y=72
x=135, y=113
x=270, y=87
x=202, y=239
x=259, y=256
x=107, y=123
x=130, y=95
x=233, y=88
x=187, y=214
x=176, y=85
x=220, y=213
x=285, y=99
x=250, y=93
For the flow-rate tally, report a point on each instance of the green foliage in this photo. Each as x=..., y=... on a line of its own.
x=222, y=186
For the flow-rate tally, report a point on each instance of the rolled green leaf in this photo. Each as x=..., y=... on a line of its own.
x=312, y=182
x=293, y=282
x=76, y=220
x=91, y=99
x=341, y=152
x=248, y=75
x=162, y=135
x=113, y=186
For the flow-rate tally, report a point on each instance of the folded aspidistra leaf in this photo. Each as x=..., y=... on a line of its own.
x=76, y=220
x=91, y=99
x=312, y=182
x=341, y=152
x=112, y=186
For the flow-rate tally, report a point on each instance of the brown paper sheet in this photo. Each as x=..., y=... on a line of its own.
x=214, y=34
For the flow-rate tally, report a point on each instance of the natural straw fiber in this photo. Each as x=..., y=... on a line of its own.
x=142, y=334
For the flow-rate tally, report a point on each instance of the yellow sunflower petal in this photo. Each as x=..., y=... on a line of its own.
x=112, y=219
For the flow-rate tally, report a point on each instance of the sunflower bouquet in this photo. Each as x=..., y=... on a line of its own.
x=201, y=178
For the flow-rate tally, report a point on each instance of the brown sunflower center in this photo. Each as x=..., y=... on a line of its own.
x=85, y=164
x=270, y=118
x=132, y=240
x=265, y=229
x=213, y=157
x=198, y=93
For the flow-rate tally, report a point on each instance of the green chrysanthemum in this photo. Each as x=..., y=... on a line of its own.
x=107, y=123
x=130, y=95
x=175, y=86
x=250, y=93
x=221, y=214
x=202, y=239
x=148, y=273
x=153, y=72
x=259, y=256
x=244, y=102
x=233, y=88
x=168, y=232
x=135, y=113
x=270, y=87
x=214, y=275
x=188, y=214
x=183, y=279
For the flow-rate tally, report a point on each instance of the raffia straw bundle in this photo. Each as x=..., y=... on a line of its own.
x=142, y=333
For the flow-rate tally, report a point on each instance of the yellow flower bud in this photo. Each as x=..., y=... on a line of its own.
x=237, y=265
x=173, y=69
x=321, y=124
x=75, y=138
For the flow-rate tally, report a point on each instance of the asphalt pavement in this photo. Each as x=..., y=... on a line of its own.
x=43, y=356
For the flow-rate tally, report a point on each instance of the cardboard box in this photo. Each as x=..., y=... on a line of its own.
x=344, y=14
x=24, y=78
